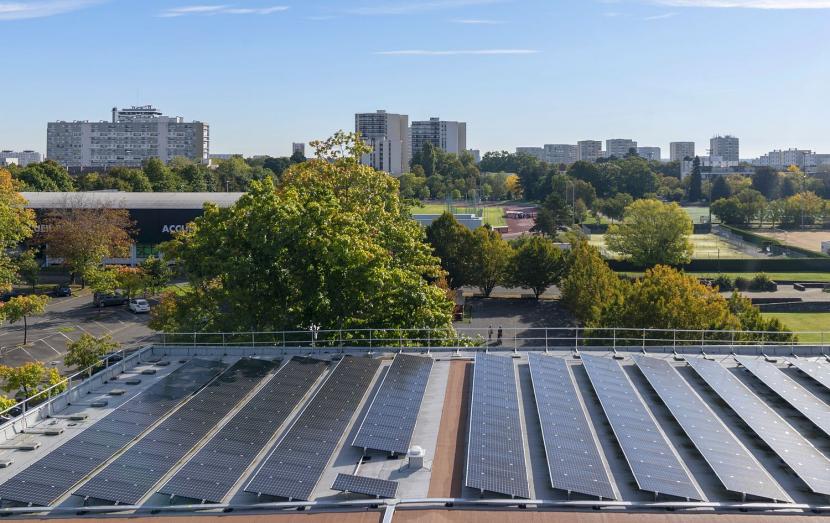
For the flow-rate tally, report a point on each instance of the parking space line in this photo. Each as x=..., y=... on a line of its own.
x=50, y=346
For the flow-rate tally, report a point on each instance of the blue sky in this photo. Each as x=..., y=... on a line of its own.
x=265, y=73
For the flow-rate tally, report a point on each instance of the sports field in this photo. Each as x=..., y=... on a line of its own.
x=816, y=322
x=810, y=240
x=493, y=215
x=696, y=213
x=707, y=246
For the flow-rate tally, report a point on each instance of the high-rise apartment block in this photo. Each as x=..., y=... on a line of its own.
x=619, y=147
x=20, y=158
x=134, y=135
x=725, y=147
x=781, y=159
x=536, y=152
x=476, y=153
x=560, y=153
x=447, y=136
x=588, y=150
x=388, y=136
x=678, y=151
x=298, y=148
x=649, y=153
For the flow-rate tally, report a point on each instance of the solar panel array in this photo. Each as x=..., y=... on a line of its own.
x=52, y=476
x=215, y=469
x=369, y=486
x=816, y=370
x=294, y=467
x=390, y=422
x=733, y=464
x=131, y=476
x=655, y=463
x=800, y=398
x=575, y=462
x=495, y=452
x=805, y=460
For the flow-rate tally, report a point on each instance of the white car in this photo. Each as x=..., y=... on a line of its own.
x=139, y=306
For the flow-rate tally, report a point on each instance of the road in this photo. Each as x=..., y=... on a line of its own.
x=65, y=320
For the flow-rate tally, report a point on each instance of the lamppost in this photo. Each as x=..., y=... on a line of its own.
x=314, y=330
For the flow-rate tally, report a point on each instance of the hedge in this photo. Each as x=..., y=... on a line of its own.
x=740, y=265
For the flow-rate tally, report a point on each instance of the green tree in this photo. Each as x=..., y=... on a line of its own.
x=720, y=189
x=766, y=181
x=48, y=176
x=158, y=273
x=614, y=207
x=16, y=224
x=330, y=245
x=490, y=258
x=589, y=287
x=696, y=182
x=751, y=319
x=537, y=264
x=26, y=378
x=21, y=308
x=653, y=232
x=28, y=268
x=451, y=243
x=88, y=350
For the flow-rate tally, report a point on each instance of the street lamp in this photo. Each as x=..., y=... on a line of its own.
x=314, y=330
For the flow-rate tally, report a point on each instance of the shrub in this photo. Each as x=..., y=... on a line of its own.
x=741, y=283
x=723, y=283
x=762, y=283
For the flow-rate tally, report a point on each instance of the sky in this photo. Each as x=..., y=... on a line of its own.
x=265, y=73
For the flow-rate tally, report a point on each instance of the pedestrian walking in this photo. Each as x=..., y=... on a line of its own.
x=490, y=333
x=498, y=335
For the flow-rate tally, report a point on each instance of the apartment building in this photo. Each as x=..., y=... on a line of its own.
x=21, y=158
x=134, y=135
x=445, y=135
x=619, y=147
x=536, y=152
x=678, y=151
x=298, y=148
x=725, y=147
x=588, y=150
x=387, y=134
x=560, y=153
x=649, y=153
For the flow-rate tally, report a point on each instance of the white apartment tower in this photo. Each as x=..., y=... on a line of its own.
x=649, y=153
x=388, y=136
x=447, y=136
x=588, y=150
x=678, y=151
x=727, y=148
x=619, y=147
x=134, y=135
x=20, y=158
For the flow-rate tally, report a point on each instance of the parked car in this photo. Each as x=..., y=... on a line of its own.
x=6, y=296
x=139, y=305
x=63, y=290
x=100, y=299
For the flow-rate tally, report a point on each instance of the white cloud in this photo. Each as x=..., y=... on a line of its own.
x=749, y=4
x=403, y=8
x=24, y=9
x=477, y=21
x=476, y=52
x=220, y=9
x=660, y=17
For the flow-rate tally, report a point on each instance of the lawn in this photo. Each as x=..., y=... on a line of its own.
x=494, y=215
x=696, y=213
x=806, y=321
x=707, y=246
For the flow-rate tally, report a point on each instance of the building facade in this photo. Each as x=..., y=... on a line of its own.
x=560, y=153
x=21, y=158
x=679, y=151
x=447, y=136
x=387, y=135
x=588, y=150
x=134, y=135
x=536, y=152
x=619, y=147
x=649, y=153
x=476, y=155
x=298, y=148
x=725, y=147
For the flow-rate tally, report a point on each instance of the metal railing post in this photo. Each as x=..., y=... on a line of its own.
x=644, y=339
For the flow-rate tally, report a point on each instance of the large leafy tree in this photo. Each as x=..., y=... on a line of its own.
x=589, y=287
x=23, y=307
x=331, y=245
x=16, y=224
x=451, y=243
x=537, y=264
x=653, y=232
x=766, y=181
x=46, y=176
x=88, y=350
x=490, y=257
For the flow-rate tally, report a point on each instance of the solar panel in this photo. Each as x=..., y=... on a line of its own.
x=800, y=398
x=575, y=462
x=816, y=370
x=53, y=475
x=495, y=452
x=295, y=465
x=390, y=422
x=805, y=460
x=653, y=460
x=215, y=469
x=131, y=476
x=380, y=488
x=736, y=468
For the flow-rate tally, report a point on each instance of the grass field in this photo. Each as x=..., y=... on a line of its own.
x=696, y=213
x=805, y=321
x=707, y=246
x=494, y=216
x=810, y=240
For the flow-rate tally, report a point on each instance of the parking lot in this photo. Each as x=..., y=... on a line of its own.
x=65, y=320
